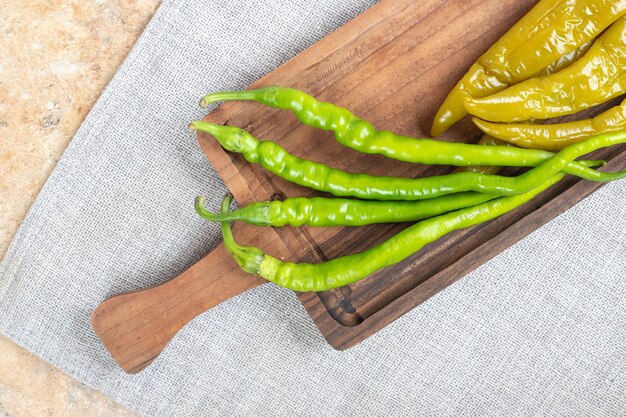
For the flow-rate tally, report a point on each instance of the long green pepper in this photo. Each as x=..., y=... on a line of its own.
x=358, y=134
x=346, y=270
x=326, y=212
x=320, y=177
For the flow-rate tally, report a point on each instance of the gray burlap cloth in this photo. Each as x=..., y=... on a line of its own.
x=539, y=330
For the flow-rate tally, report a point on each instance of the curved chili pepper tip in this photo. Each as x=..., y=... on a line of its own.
x=199, y=206
x=226, y=200
x=228, y=196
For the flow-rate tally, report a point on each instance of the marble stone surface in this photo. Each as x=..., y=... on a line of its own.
x=56, y=56
x=31, y=387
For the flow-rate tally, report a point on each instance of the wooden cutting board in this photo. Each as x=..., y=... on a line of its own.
x=393, y=65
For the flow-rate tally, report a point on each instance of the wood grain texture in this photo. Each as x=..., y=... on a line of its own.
x=393, y=66
x=135, y=327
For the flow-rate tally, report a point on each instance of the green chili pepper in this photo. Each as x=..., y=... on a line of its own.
x=346, y=270
x=554, y=137
x=489, y=140
x=597, y=77
x=358, y=134
x=325, y=212
x=550, y=30
x=328, y=212
x=323, y=178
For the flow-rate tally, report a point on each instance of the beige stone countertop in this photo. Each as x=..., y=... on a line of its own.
x=56, y=56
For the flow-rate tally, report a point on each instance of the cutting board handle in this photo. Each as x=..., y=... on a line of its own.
x=136, y=326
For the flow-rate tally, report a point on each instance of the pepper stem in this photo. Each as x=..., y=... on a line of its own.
x=249, y=258
x=210, y=128
x=226, y=96
x=214, y=217
x=231, y=138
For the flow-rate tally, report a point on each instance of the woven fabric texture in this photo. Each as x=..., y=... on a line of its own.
x=539, y=330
